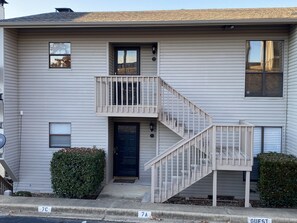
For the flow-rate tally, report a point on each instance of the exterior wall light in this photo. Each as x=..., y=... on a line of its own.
x=152, y=127
x=154, y=49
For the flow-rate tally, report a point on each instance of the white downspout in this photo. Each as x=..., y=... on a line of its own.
x=2, y=16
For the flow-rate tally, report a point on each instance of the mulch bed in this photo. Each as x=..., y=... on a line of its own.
x=208, y=202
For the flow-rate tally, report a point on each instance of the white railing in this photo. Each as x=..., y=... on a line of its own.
x=228, y=147
x=149, y=97
x=234, y=146
x=127, y=95
x=175, y=170
x=180, y=114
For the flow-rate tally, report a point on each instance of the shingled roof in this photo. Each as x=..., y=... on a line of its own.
x=163, y=17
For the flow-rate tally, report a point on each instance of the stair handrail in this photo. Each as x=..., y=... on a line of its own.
x=173, y=148
x=176, y=146
x=164, y=83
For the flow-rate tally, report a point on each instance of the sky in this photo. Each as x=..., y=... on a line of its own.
x=17, y=8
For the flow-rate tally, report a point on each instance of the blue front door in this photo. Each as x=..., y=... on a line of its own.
x=126, y=149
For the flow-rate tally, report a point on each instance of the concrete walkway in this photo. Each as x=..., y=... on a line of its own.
x=127, y=210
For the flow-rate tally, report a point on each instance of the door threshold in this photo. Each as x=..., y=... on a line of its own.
x=129, y=180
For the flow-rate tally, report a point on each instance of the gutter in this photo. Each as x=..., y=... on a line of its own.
x=116, y=24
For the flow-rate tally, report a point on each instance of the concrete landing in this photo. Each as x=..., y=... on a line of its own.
x=135, y=191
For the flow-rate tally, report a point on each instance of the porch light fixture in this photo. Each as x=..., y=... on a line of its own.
x=154, y=49
x=152, y=127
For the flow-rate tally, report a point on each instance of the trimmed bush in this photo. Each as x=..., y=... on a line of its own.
x=278, y=180
x=77, y=172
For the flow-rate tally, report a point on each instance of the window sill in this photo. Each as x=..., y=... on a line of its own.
x=265, y=98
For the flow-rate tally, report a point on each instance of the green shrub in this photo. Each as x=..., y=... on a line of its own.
x=23, y=194
x=77, y=172
x=278, y=180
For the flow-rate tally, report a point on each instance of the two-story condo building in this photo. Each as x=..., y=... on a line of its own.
x=182, y=100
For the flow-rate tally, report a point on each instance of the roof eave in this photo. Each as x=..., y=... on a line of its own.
x=147, y=23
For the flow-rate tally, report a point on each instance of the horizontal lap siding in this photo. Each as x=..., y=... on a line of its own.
x=208, y=67
x=167, y=138
x=148, y=67
x=292, y=94
x=11, y=108
x=61, y=95
x=57, y=95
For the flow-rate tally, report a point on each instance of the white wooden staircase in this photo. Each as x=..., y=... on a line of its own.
x=205, y=147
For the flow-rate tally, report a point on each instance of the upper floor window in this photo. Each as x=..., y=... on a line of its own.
x=59, y=135
x=59, y=55
x=264, y=69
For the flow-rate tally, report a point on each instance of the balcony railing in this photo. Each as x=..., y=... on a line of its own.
x=127, y=95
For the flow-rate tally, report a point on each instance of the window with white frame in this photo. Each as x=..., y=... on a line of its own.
x=59, y=135
x=266, y=139
x=60, y=55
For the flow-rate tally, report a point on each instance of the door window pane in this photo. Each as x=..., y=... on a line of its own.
x=121, y=62
x=131, y=62
x=254, y=56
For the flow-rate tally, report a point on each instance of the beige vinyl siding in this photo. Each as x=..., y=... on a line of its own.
x=209, y=69
x=57, y=95
x=166, y=138
x=292, y=94
x=148, y=67
x=207, y=65
x=11, y=108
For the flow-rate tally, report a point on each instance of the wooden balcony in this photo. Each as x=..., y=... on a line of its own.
x=127, y=96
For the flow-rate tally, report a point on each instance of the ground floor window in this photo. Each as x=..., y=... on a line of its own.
x=266, y=139
x=59, y=135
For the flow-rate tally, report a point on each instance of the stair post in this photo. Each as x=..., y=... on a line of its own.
x=159, y=96
x=247, y=189
x=214, y=168
x=153, y=180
